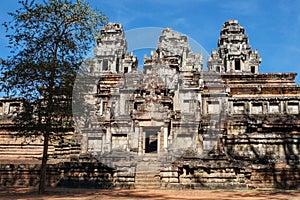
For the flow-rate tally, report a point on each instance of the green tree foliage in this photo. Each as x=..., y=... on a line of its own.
x=49, y=41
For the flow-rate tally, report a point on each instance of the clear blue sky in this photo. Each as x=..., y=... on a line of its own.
x=273, y=26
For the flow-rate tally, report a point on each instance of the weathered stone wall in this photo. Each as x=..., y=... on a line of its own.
x=68, y=174
x=85, y=175
x=29, y=148
x=205, y=174
x=14, y=147
x=25, y=175
x=282, y=148
x=276, y=176
x=217, y=174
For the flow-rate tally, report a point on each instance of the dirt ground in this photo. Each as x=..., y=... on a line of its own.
x=80, y=194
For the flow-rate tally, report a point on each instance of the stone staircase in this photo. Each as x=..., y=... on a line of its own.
x=147, y=173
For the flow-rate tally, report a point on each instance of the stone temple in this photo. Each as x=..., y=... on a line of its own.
x=175, y=124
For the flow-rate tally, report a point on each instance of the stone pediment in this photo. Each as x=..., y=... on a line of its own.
x=151, y=109
x=151, y=99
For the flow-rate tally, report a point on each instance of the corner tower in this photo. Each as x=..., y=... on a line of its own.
x=110, y=52
x=234, y=54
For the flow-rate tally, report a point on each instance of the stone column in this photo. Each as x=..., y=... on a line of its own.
x=114, y=65
x=144, y=142
x=286, y=108
x=176, y=101
x=103, y=144
x=108, y=139
x=158, y=141
x=250, y=108
x=84, y=143
x=135, y=142
x=165, y=138
x=101, y=107
x=282, y=107
x=140, y=142
x=267, y=108
x=204, y=106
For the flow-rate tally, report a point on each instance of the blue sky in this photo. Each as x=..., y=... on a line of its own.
x=273, y=26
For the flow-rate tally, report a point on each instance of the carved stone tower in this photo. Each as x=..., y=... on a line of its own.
x=110, y=52
x=234, y=53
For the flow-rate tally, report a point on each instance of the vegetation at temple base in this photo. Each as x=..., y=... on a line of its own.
x=49, y=41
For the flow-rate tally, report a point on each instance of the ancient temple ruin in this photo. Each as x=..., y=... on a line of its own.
x=222, y=127
x=173, y=104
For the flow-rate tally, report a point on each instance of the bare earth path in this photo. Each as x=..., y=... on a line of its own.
x=83, y=194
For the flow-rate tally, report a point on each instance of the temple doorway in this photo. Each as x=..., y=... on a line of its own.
x=151, y=139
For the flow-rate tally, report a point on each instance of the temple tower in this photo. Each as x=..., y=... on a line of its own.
x=110, y=52
x=234, y=54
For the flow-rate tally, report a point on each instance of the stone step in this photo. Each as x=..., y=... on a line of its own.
x=150, y=154
x=150, y=157
x=146, y=162
x=149, y=163
x=150, y=177
x=22, y=149
x=146, y=181
x=147, y=170
x=9, y=153
x=147, y=173
x=3, y=147
x=156, y=164
x=147, y=186
x=144, y=176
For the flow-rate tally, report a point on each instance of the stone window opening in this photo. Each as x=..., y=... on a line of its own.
x=125, y=69
x=105, y=65
x=14, y=107
x=104, y=107
x=213, y=107
x=119, y=141
x=94, y=144
x=274, y=107
x=117, y=65
x=218, y=69
x=257, y=108
x=136, y=105
x=237, y=64
x=293, y=107
x=238, y=108
x=253, y=69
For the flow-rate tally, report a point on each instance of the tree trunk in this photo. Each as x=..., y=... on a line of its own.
x=49, y=108
x=43, y=172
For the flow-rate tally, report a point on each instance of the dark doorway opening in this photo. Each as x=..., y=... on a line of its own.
x=151, y=144
x=237, y=64
x=151, y=140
